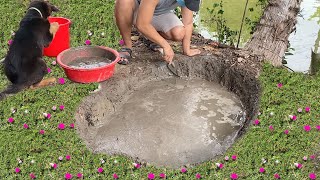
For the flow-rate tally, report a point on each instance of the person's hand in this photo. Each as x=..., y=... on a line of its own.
x=192, y=52
x=168, y=54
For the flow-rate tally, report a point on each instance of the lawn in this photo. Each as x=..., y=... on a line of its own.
x=32, y=145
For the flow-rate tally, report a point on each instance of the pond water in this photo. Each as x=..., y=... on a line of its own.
x=305, y=38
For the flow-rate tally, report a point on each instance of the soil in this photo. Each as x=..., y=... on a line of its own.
x=236, y=70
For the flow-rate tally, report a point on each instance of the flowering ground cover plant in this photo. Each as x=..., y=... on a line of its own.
x=38, y=136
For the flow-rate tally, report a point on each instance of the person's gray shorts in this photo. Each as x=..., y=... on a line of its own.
x=163, y=23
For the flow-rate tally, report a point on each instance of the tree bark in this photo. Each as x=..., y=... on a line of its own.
x=276, y=24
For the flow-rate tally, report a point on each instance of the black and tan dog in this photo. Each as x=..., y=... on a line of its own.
x=24, y=65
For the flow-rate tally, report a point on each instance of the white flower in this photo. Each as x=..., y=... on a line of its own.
x=45, y=114
x=277, y=161
x=271, y=113
x=305, y=158
x=103, y=34
x=26, y=111
x=218, y=164
x=32, y=161
x=226, y=158
x=115, y=161
x=13, y=110
x=54, y=62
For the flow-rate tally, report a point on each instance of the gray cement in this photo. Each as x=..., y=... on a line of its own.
x=172, y=122
x=146, y=113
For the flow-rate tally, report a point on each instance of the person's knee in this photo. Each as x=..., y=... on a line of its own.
x=125, y=4
x=178, y=33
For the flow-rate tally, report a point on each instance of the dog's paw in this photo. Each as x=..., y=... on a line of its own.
x=54, y=27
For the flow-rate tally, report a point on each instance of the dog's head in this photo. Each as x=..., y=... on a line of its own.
x=44, y=7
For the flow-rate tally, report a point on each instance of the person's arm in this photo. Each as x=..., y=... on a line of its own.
x=187, y=20
x=144, y=19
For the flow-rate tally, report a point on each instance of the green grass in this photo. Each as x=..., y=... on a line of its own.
x=259, y=142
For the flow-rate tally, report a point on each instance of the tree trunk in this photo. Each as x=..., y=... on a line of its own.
x=276, y=24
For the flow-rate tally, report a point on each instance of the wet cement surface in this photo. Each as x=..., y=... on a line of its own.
x=172, y=122
x=146, y=114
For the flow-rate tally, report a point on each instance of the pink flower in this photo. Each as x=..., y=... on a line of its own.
x=61, y=81
x=68, y=157
x=68, y=176
x=61, y=107
x=312, y=157
x=277, y=176
x=53, y=165
x=299, y=110
x=17, y=170
x=293, y=117
x=312, y=176
x=256, y=122
x=79, y=175
x=305, y=158
x=60, y=158
x=49, y=70
x=54, y=108
x=10, y=42
x=219, y=165
x=54, y=63
x=151, y=176
x=262, y=170
x=297, y=165
x=286, y=131
x=307, y=128
x=32, y=176
x=87, y=42
x=307, y=109
x=198, y=176
x=279, y=85
x=115, y=176
x=234, y=157
x=136, y=165
x=183, y=170
x=41, y=131
x=48, y=116
x=234, y=176
x=25, y=126
x=318, y=127
x=121, y=42
x=100, y=170
x=162, y=175
x=71, y=125
x=226, y=158
x=11, y=120
x=271, y=128
x=61, y=126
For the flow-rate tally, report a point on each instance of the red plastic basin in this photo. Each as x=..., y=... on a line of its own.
x=82, y=75
x=61, y=40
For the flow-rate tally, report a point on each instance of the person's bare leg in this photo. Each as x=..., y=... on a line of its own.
x=124, y=10
x=175, y=34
